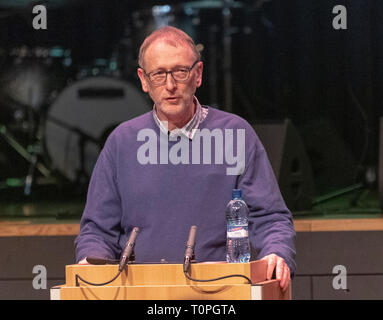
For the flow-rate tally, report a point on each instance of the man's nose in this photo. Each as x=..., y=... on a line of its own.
x=170, y=82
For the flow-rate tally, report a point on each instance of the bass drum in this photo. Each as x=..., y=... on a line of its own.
x=81, y=118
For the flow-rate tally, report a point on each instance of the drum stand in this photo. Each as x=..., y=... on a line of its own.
x=32, y=152
x=226, y=13
x=31, y=157
x=36, y=150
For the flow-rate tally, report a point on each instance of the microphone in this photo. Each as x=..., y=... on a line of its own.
x=125, y=256
x=189, y=252
x=128, y=248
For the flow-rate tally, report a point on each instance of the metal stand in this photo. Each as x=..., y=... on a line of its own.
x=32, y=159
x=213, y=53
x=226, y=14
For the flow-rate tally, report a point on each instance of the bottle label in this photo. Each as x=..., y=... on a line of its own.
x=237, y=232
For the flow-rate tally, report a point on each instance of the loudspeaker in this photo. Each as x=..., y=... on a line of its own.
x=289, y=161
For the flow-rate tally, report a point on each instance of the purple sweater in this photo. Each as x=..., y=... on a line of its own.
x=165, y=200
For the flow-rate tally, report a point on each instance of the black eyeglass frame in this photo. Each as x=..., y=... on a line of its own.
x=171, y=72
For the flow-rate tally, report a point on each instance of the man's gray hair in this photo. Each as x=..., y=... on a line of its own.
x=172, y=36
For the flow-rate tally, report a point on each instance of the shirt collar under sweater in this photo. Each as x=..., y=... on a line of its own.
x=190, y=128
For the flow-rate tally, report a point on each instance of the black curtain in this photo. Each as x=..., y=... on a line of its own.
x=329, y=82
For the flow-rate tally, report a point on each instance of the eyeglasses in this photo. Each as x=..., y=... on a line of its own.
x=180, y=74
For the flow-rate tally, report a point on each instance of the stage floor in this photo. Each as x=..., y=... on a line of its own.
x=63, y=219
x=57, y=216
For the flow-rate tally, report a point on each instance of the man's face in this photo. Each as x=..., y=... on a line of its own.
x=173, y=100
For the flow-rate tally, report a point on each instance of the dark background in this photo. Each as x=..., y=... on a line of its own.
x=287, y=62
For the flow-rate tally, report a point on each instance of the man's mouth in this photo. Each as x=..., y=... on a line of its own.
x=172, y=99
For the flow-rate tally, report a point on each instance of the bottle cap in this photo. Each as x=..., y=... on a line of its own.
x=237, y=193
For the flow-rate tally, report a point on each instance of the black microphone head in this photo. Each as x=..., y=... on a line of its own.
x=133, y=234
x=192, y=234
x=128, y=248
x=189, y=252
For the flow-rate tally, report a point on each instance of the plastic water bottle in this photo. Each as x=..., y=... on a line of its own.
x=237, y=243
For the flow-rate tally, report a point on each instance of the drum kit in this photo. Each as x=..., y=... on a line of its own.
x=56, y=116
x=59, y=127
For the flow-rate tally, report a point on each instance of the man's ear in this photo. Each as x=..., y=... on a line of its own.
x=199, y=74
x=144, y=83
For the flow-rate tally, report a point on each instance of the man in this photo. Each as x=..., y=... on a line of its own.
x=144, y=176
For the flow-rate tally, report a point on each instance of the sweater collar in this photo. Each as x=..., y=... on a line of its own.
x=189, y=129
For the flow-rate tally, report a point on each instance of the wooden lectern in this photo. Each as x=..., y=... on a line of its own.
x=168, y=282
